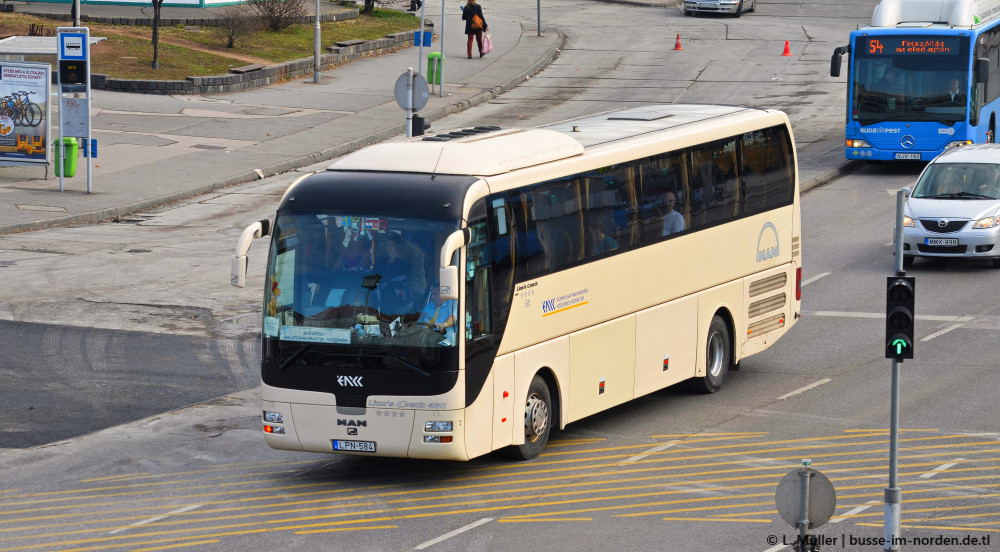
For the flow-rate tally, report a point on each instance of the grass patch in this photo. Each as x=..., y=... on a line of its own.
x=184, y=52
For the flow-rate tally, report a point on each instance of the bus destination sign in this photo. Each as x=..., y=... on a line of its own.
x=904, y=46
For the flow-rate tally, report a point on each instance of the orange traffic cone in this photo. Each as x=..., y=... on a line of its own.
x=677, y=45
x=788, y=51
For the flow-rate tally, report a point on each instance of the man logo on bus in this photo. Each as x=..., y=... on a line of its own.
x=349, y=381
x=767, y=243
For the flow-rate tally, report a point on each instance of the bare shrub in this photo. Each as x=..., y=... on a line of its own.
x=234, y=22
x=278, y=14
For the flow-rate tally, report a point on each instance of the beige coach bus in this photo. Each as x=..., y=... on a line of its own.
x=449, y=295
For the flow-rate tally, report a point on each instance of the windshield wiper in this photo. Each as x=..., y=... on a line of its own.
x=291, y=358
x=958, y=195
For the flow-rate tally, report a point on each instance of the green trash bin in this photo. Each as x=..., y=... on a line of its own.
x=435, y=64
x=68, y=167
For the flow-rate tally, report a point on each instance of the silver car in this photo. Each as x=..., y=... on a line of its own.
x=735, y=8
x=954, y=208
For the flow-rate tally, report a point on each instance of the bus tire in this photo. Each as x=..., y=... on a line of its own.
x=718, y=358
x=537, y=421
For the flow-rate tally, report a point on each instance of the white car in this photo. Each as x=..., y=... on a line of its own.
x=731, y=7
x=954, y=208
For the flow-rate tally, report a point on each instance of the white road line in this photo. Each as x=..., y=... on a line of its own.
x=814, y=278
x=776, y=548
x=928, y=317
x=646, y=453
x=940, y=469
x=804, y=389
x=853, y=511
x=942, y=332
x=157, y=518
x=458, y=531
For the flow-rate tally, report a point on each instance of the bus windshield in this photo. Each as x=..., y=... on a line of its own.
x=359, y=279
x=908, y=87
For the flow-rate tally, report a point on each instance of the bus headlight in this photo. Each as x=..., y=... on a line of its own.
x=275, y=430
x=857, y=144
x=988, y=222
x=273, y=417
x=437, y=427
x=437, y=438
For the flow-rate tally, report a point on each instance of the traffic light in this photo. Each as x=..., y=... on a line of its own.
x=899, y=317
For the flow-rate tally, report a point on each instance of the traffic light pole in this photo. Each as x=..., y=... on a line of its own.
x=893, y=494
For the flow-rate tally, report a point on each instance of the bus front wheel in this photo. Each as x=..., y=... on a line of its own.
x=537, y=421
x=718, y=358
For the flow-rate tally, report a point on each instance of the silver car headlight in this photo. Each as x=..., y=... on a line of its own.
x=908, y=222
x=988, y=222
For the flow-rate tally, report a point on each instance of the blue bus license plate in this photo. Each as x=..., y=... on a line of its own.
x=907, y=156
x=354, y=446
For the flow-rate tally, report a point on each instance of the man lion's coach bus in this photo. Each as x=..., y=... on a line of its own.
x=923, y=77
x=454, y=294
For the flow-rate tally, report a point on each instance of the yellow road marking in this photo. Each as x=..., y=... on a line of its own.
x=534, y=520
x=340, y=529
x=169, y=546
x=719, y=519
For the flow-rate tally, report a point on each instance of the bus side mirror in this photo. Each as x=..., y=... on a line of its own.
x=836, y=60
x=238, y=268
x=449, y=277
x=982, y=70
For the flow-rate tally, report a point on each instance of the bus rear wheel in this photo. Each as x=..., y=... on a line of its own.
x=718, y=358
x=537, y=421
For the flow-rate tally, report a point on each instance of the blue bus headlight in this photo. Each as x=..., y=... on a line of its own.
x=857, y=144
x=438, y=427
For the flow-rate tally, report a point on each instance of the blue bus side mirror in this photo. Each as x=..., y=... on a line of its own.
x=836, y=59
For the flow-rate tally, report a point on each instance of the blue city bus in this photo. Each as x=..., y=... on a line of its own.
x=922, y=79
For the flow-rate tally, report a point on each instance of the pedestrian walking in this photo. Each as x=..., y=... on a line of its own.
x=475, y=26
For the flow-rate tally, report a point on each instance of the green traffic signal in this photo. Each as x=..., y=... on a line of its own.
x=899, y=317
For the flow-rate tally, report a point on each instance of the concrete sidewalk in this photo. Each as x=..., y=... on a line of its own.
x=158, y=149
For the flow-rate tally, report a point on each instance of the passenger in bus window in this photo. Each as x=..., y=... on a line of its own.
x=402, y=271
x=673, y=222
x=357, y=254
x=603, y=243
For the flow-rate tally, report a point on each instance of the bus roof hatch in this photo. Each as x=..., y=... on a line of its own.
x=474, y=155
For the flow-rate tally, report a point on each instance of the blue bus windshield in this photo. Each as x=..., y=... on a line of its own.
x=910, y=78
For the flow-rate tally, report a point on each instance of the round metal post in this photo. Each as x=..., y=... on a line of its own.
x=316, y=40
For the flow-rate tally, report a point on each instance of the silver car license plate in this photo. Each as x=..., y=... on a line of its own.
x=907, y=156
x=354, y=446
x=941, y=242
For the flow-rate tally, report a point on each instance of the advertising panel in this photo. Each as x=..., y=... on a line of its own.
x=24, y=113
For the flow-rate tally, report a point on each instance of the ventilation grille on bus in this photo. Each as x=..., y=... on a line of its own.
x=795, y=247
x=768, y=284
x=768, y=303
x=761, y=327
x=764, y=306
x=351, y=398
x=464, y=133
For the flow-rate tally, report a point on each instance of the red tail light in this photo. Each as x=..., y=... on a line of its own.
x=798, y=284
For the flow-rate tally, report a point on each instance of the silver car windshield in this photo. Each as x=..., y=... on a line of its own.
x=959, y=181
